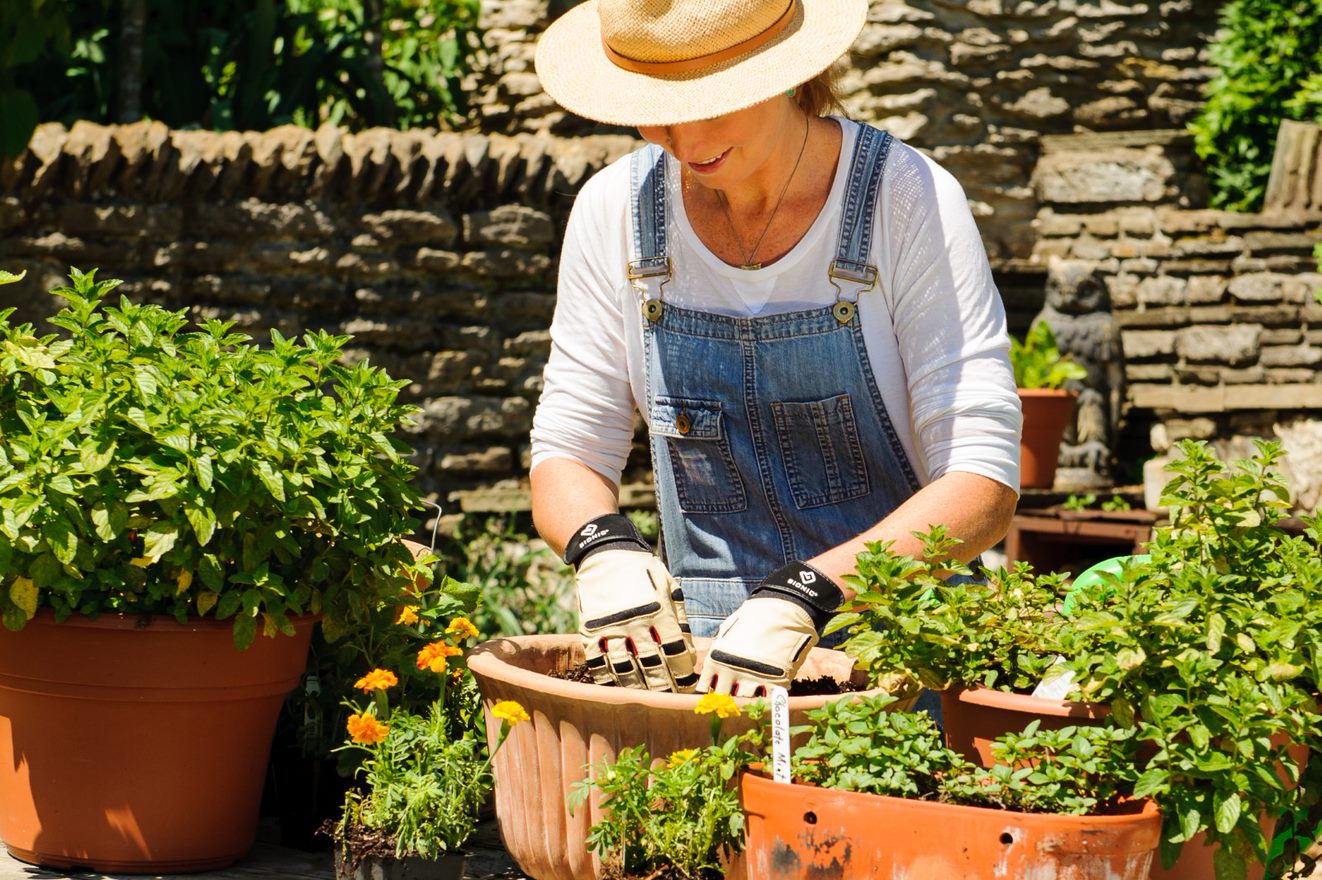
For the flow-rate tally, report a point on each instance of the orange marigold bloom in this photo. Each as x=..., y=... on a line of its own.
x=365, y=729
x=408, y=615
x=376, y=680
x=433, y=657
x=462, y=626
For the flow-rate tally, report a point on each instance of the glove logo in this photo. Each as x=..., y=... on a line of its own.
x=589, y=530
x=808, y=577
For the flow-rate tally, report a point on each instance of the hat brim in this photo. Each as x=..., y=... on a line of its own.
x=577, y=74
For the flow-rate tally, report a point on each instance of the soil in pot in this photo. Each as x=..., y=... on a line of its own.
x=364, y=853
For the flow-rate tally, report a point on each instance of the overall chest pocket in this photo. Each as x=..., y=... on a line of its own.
x=823, y=457
x=693, y=434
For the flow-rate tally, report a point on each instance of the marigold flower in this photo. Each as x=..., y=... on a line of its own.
x=462, y=626
x=376, y=680
x=679, y=757
x=720, y=705
x=433, y=657
x=365, y=729
x=509, y=710
x=408, y=615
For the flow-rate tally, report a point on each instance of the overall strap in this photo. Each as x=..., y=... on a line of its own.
x=850, y=272
x=649, y=269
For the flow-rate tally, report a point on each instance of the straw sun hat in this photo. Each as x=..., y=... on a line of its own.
x=663, y=62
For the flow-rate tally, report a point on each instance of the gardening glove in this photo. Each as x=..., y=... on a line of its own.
x=630, y=610
x=765, y=640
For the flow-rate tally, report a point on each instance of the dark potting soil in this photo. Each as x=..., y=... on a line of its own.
x=613, y=872
x=360, y=842
x=800, y=687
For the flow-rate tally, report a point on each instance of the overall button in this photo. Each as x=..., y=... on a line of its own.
x=682, y=424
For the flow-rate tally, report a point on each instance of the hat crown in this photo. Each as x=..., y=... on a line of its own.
x=677, y=30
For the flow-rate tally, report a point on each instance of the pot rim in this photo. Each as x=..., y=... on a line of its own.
x=977, y=695
x=486, y=660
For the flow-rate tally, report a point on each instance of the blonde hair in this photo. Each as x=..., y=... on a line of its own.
x=820, y=95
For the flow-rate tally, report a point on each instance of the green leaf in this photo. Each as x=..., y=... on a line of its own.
x=245, y=630
x=10, y=277
x=271, y=480
x=203, y=522
x=1227, y=812
x=23, y=593
x=159, y=539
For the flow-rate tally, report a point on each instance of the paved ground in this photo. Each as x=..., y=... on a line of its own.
x=268, y=861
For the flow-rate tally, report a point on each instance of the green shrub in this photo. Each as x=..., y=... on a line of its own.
x=1269, y=61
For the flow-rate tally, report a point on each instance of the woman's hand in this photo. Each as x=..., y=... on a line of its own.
x=763, y=643
x=630, y=610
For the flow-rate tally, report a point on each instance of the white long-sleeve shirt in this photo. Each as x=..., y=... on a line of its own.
x=934, y=326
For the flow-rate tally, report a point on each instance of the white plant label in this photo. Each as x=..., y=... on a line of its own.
x=1056, y=683
x=780, y=734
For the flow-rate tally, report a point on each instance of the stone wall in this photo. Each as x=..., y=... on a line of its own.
x=436, y=252
x=976, y=83
x=1217, y=312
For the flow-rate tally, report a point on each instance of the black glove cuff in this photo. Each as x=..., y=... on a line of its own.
x=805, y=586
x=614, y=530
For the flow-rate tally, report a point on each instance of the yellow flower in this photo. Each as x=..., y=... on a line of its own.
x=462, y=626
x=722, y=705
x=679, y=757
x=433, y=657
x=408, y=615
x=365, y=729
x=509, y=710
x=376, y=680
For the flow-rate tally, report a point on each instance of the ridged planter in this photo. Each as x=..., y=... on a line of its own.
x=576, y=725
x=802, y=832
x=1047, y=412
x=137, y=746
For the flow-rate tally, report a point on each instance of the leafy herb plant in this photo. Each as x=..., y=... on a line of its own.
x=1209, y=646
x=908, y=617
x=150, y=469
x=856, y=745
x=677, y=819
x=1037, y=361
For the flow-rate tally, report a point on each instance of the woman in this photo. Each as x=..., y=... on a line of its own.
x=801, y=309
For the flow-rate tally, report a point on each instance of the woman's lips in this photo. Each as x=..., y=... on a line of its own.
x=708, y=167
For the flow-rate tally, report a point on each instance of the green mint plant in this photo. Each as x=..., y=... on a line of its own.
x=858, y=745
x=681, y=815
x=908, y=617
x=146, y=468
x=1037, y=361
x=1210, y=646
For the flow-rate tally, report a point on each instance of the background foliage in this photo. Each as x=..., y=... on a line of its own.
x=1269, y=61
x=234, y=64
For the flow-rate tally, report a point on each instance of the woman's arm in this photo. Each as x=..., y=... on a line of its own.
x=565, y=495
x=973, y=508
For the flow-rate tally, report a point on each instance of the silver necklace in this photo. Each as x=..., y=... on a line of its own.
x=729, y=219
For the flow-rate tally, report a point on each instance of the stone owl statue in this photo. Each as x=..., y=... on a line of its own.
x=1078, y=309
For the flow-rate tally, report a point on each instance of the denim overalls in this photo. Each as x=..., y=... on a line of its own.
x=769, y=438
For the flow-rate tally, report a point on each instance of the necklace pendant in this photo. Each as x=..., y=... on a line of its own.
x=751, y=266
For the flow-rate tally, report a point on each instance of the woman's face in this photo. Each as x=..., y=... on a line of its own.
x=729, y=149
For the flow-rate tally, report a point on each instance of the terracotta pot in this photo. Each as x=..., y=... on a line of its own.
x=576, y=725
x=803, y=831
x=137, y=745
x=974, y=716
x=446, y=867
x=1047, y=412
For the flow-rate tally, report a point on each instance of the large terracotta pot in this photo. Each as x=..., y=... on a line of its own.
x=137, y=745
x=972, y=717
x=576, y=725
x=1047, y=412
x=802, y=831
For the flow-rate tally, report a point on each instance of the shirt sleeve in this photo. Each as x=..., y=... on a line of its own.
x=949, y=323
x=586, y=408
